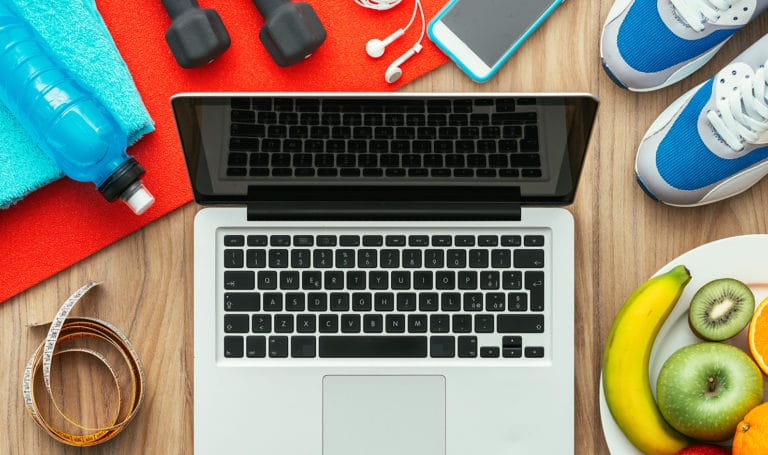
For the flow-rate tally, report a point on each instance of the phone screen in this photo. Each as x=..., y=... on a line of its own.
x=491, y=27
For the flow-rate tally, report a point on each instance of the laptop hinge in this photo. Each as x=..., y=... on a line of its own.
x=378, y=202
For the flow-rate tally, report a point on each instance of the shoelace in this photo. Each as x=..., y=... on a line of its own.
x=698, y=12
x=742, y=115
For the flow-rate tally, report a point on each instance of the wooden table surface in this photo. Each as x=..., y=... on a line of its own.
x=622, y=237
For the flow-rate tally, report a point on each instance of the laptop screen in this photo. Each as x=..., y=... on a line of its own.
x=242, y=144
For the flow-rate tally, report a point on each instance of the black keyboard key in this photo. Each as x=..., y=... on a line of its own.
x=495, y=301
x=487, y=240
x=412, y=259
x=528, y=259
x=362, y=301
x=317, y=301
x=394, y=323
x=512, y=353
x=305, y=323
x=278, y=346
x=303, y=346
x=257, y=240
x=373, y=240
x=534, y=352
x=241, y=301
x=484, y=323
x=462, y=323
x=236, y=323
x=489, y=280
x=467, y=346
x=517, y=301
x=278, y=259
x=395, y=240
x=326, y=240
x=478, y=258
x=283, y=323
x=520, y=323
x=233, y=259
x=356, y=280
x=406, y=301
x=513, y=341
x=442, y=346
x=234, y=240
x=473, y=301
x=467, y=280
x=261, y=323
x=434, y=259
x=339, y=301
x=322, y=258
x=372, y=346
x=233, y=346
x=334, y=280
x=294, y=301
x=303, y=240
x=384, y=301
x=418, y=240
x=255, y=346
x=289, y=280
x=445, y=280
x=534, y=282
x=311, y=281
x=280, y=240
x=439, y=323
x=349, y=240
x=378, y=280
x=501, y=259
x=489, y=351
x=345, y=258
x=422, y=280
x=417, y=323
x=301, y=259
x=367, y=259
x=510, y=240
x=240, y=280
x=273, y=301
x=534, y=240
x=390, y=259
x=456, y=259
x=428, y=301
x=350, y=323
x=373, y=323
x=256, y=259
x=328, y=323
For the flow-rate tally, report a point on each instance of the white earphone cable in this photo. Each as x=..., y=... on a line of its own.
x=379, y=5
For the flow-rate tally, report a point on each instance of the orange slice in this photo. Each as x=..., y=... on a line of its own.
x=758, y=336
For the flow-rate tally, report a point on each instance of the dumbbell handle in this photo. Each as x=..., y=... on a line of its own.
x=176, y=8
x=266, y=7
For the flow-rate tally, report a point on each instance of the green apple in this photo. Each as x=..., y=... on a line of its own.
x=705, y=389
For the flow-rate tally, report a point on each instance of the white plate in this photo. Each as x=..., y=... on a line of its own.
x=744, y=258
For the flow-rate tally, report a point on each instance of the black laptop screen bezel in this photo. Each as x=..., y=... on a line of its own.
x=185, y=105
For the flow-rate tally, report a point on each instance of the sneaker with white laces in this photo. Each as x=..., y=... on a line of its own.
x=712, y=142
x=650, y=44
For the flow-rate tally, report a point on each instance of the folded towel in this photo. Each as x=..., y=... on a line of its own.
x=77, y=35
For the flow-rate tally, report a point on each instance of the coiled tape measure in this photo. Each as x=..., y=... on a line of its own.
x=64, y=330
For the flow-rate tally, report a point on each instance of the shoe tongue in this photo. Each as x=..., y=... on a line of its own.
x=737, y=15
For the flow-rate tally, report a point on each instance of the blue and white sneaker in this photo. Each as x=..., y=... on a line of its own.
x=712, y=142
x=650, y=44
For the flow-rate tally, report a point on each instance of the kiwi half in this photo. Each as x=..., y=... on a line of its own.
x=721, y=309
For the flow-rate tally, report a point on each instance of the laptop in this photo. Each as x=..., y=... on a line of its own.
x=384, y=274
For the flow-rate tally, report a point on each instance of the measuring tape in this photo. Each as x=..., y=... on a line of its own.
x=63, y=330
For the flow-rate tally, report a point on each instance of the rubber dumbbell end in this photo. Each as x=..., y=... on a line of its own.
x=197, y=37
x=291, y=33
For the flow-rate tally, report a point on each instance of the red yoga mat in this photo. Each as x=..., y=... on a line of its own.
x=67, y=221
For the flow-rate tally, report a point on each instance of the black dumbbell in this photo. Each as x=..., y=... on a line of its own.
x=291, y=31
x=196, y=35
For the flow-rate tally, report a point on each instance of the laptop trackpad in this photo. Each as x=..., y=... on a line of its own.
x=384, y=415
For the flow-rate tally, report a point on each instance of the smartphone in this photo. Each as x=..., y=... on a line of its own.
x=480, y=35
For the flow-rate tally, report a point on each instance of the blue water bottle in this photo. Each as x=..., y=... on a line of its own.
x=66, y=120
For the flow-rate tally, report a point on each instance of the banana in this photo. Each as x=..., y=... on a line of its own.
x=626, y=382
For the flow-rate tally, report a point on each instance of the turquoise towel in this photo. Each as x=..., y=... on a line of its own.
x=78, y=37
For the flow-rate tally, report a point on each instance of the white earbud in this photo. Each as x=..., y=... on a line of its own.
x=375, y=47
x=394, y=71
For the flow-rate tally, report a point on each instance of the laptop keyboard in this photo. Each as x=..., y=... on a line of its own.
x=393, y=137
x=384, y=295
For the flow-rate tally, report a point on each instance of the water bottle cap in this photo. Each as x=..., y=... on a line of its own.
x=140, y=200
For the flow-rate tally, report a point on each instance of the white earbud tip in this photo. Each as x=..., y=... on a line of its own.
x=393, y=74
x=375, y=48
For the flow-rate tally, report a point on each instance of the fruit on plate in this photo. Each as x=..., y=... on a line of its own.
x=758, y=336
x=704, y=449
x=705, y=389
x=751, y=435
x=721, y=309
x=626, y=382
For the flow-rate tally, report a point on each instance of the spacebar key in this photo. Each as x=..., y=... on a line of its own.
x=373, y=346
